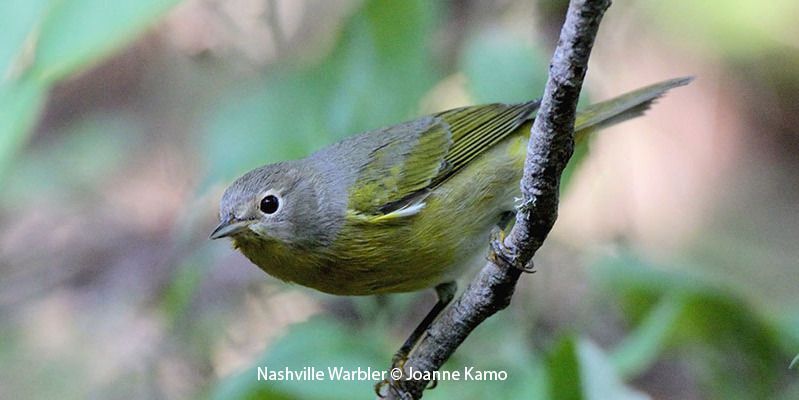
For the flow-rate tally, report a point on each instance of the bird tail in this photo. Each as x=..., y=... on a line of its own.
x=622, y=108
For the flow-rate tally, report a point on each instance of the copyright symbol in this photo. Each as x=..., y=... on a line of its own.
x=396, y=373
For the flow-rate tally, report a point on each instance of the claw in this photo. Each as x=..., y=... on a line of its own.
x=394, y=387
x=399, y=360
x=445, y=292
x=379, y=387
x=432, y=385
x=499, y=253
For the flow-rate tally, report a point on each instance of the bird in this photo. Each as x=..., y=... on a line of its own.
x=401, y=208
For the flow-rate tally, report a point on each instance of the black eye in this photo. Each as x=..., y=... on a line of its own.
x=269, y=204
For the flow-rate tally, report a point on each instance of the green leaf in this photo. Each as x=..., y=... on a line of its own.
x=579, y=369
x=20, y=103
x=76, y=33
x=565, y=380
x=502, y=68
x=319, y=343
x=378, y=79
x=273, y=120
x=19, y=19
x=642, y=347
x=45, y=41
x=600, y=379
x=723, y=335
x=511, y=352
x=371, y=79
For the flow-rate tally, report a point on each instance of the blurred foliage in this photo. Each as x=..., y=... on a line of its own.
x=745, y=29
x=498, y=68
x=721, y=332
x=381, y=64
x=61, y=168
x=579, y=369
x=310, y=107
x=45, y=41
x=320, y=344
x=574, y=369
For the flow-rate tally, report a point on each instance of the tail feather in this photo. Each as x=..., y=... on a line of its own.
x=622, y=108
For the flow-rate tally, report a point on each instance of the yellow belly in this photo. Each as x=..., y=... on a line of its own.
x=409, y=253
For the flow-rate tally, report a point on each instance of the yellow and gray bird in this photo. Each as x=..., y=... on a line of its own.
x=401, y=208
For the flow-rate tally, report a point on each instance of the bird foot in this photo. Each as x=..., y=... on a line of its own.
x=502, y=255
x=392, y=384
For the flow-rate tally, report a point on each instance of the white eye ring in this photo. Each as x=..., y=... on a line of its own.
x=270, y=203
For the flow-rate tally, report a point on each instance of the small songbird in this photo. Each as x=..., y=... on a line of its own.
x=397, y=209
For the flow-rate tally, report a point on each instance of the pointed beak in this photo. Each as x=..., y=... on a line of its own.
x=229, y=228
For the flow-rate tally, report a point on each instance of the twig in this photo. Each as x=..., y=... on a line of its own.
x=549, y=149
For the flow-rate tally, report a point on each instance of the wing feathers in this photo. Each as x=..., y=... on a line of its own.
x=478, y=128
x=410, y=159
x=417, y=156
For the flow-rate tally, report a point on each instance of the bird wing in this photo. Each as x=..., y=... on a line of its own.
x=475, y=129
x=412, y=158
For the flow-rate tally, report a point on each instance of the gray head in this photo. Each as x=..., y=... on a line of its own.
x=281, y=202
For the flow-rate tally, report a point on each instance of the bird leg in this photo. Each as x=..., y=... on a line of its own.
x=500, y=254
x=445, y=293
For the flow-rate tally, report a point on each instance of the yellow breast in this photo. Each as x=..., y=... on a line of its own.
x=408, y=253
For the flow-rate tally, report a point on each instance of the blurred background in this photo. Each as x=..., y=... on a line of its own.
x=671, y=273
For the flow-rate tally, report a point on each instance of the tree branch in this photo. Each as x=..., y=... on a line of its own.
x=548, y=151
